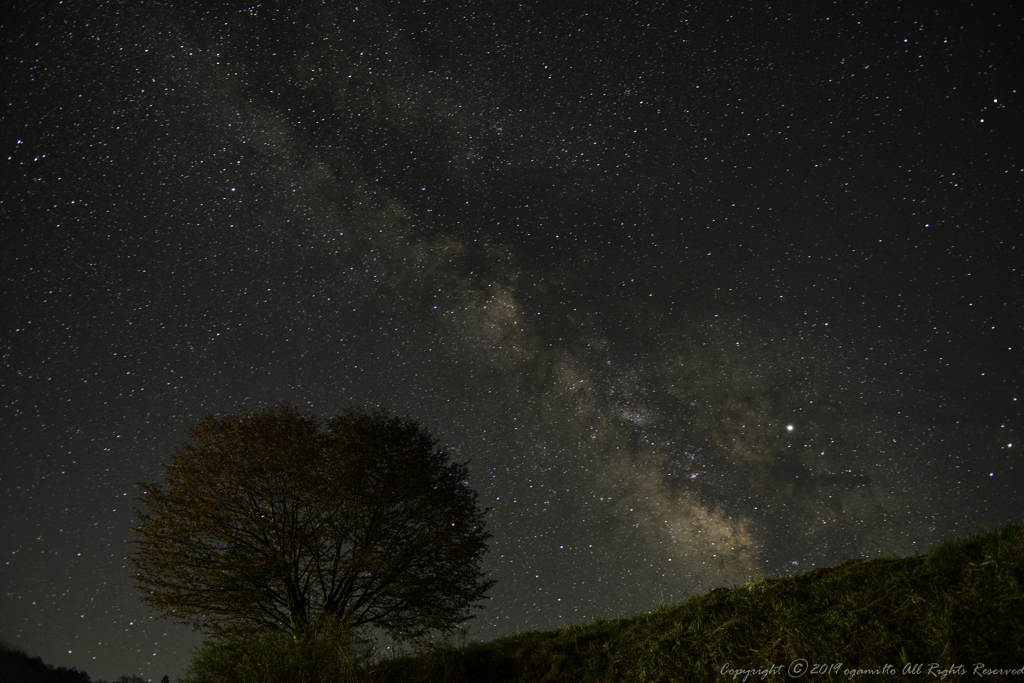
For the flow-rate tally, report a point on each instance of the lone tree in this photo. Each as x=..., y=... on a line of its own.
x=279, y=522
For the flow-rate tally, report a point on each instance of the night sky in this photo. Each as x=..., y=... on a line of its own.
x=705, y=292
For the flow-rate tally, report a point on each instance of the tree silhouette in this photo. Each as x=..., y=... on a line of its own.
x=18, y=667
x=276, y=521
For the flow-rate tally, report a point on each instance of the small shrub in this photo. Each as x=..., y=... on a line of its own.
x=332, y=655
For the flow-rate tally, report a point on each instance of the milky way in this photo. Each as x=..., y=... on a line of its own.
x=703, y=294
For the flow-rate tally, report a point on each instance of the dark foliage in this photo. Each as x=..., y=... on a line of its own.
x=278, y=522
x=18, y=667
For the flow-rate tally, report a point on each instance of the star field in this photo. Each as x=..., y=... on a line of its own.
x=703, y=292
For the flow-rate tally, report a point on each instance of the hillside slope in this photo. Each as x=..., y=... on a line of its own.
x=960, y=605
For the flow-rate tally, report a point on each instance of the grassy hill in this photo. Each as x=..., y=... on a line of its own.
x=961, y=604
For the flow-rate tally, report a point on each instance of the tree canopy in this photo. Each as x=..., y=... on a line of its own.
x=278, y=521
